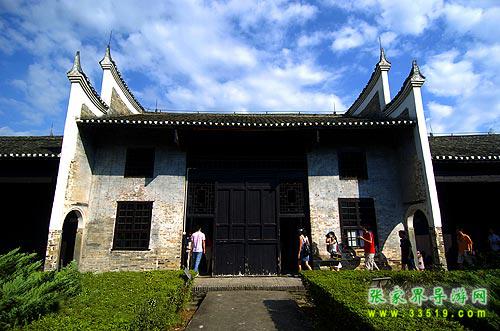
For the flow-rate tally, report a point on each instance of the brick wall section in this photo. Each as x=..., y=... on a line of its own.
x=439, y=251
x=53, y=248
x=117, y=106
x=383, y=185
x=166, y=190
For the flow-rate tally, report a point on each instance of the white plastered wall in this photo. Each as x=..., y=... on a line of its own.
x=110, y=82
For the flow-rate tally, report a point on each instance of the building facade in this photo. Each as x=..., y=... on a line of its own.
x=131, y=183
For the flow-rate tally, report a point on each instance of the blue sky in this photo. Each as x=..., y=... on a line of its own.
x=251, y=56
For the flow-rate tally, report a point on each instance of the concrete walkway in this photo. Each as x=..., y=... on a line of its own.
x=250, y=310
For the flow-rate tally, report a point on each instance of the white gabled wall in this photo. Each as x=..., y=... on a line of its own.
x=111, y=80
x=81, y=93
x=423, y=149
x=77, y=98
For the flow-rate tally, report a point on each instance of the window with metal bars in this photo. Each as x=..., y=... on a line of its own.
x=352, y=164
x=133, y=225
x=140, y=162
x=354, y=214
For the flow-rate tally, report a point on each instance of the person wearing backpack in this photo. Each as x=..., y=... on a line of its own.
x=333, y=247
x=304, y=250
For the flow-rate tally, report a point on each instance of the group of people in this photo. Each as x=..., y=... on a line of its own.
x=465, y=251
x=333, y=248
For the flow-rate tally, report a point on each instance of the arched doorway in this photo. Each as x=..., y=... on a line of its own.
x=69, y=238
x=423, y=239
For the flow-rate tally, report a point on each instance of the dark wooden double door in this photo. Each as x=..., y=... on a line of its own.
x=251, y=220
x=246, y=228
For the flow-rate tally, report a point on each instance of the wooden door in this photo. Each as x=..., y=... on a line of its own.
x=246, y=231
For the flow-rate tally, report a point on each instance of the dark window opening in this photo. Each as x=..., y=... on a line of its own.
x=354, y=214
x=140, y=162
x=201, y=199
x=352, y=165
x=133, y=225
x=291, y=198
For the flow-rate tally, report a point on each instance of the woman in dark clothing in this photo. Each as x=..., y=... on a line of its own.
x=304, y=250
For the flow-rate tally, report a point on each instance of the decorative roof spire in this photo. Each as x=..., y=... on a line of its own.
x=106, y=60
x=383, y=63
x=415, y=74
x=77, y=68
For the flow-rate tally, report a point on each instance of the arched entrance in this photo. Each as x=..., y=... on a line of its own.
x=423, y=238
x=69, y=242
x=420, y=236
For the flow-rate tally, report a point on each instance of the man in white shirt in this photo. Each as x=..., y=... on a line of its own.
x=197, y=247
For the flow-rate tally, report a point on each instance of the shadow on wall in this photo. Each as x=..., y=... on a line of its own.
x=107, y=153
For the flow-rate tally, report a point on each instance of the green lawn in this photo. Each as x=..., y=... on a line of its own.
x=341, y=298
x=121, y=301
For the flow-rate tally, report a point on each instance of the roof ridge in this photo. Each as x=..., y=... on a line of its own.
x=77, y=71
x=108, y=57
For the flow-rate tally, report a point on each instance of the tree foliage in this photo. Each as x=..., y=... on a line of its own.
x=27, y=292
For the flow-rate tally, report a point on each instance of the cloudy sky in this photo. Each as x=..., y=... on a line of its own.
x=251, y=55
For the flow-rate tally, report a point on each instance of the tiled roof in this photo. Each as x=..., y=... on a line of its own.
x=443, y=148
x=244, y=120
x=30, y=147
x=466, y=147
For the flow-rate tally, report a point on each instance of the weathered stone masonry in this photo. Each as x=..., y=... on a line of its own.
x=325, y=188
x=166, y=189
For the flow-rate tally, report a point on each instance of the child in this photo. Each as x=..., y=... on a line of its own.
x=420, y=259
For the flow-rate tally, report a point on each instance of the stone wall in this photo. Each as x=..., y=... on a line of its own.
x=117, y=107
x=53, y=248
x=383, y=186
x=166, y=189
x=76, y=197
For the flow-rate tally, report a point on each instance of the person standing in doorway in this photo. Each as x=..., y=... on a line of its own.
x=420, y=259
x=369, y=247
x=197, y=247
x=304, y=250
x=464, y=244
x=407, y=261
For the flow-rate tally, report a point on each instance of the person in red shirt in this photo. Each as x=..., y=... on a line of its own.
x=369, y=246
x=465, y=251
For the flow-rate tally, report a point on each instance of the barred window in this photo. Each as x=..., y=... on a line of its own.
x=140, y=162
x=354, y=214
x=352, y=164
x=133, y=225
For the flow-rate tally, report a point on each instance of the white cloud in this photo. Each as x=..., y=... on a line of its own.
x=409, y=16
x=470, y=87
x=462, y=18
x=194, y=55
x=439, y=110
x=486, y=56
x=353, y=35
x=402, y=16
x=447, y=76
x=314, y=39
x=479, y=22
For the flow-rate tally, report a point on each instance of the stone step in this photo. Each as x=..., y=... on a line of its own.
x=209, y=284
